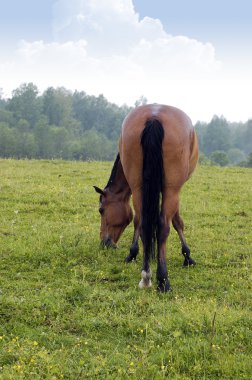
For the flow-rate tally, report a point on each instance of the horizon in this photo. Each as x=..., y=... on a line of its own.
x=40, y=93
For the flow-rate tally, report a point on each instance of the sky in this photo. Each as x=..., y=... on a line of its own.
x=195, y=55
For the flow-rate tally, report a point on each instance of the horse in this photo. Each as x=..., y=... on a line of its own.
x=158, y=152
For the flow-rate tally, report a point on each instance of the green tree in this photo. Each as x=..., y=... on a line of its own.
x=97, y=113
x=7, y=117
x=249, y=160
x=200, y=128
x=26, y=145
x=248, y=137
x=57, y=106
x=8, y=141
x=25, y=104
x=43, y=139
x=217, y=136
x=2, y=100
x=97, y=147
x=60, y=142
x=219, y=157
x=247, y=163
x=22, y=125
x=235, y=156
x=203, y=159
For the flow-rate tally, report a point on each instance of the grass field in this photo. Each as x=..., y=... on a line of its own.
x=69, y=310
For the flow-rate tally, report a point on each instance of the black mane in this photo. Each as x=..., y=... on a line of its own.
x=113, y=172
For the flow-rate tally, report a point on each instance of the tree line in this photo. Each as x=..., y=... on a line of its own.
x=74, y=125
x=225, y=143
x=59, y=124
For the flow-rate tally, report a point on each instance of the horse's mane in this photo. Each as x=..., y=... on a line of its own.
x=113, y=172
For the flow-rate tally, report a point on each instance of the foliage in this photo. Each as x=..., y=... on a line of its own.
x=59, y=124
x=248, y=162
x=234, y=139
x=219, y=157
x=66, y=125
x=25, y=104
x=204, y=160
x=69, y=310
x=235, y=156
x=217, y=136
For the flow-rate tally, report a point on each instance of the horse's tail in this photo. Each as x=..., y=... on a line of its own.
x=152, y=184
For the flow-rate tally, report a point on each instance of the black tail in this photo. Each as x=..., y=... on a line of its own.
x=152, y=184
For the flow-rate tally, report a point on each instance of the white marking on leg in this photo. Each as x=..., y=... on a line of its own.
x=146, y=280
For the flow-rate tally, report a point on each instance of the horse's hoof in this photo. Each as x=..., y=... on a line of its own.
x=146, y=280
x=188, y=262
x=145, y=284
x=133, y=253
x=164, y=287
x=129, y=259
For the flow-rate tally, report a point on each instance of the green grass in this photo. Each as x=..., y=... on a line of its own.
x=69, y=310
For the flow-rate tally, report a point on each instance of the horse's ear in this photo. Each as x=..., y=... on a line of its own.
x=98, y=190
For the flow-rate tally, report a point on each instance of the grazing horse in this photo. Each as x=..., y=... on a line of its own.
x=158, y=151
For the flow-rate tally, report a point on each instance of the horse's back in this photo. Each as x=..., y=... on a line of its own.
x=180, y=148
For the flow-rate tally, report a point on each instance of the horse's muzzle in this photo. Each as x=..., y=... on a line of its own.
x=108, y=243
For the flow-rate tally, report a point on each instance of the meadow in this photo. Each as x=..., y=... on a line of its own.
x=70, y=310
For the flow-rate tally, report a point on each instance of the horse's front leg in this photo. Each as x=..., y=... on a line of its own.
x=134, y=248
x=179, y=227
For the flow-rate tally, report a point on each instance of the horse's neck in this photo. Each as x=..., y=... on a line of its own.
x=119, y=186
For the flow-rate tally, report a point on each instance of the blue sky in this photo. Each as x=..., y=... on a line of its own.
x=126, y=49
x=218, y=21
x=214, y=20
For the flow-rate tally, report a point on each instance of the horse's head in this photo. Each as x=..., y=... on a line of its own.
x=116, y=215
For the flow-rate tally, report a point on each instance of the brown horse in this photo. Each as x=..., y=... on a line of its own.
x=158, y=153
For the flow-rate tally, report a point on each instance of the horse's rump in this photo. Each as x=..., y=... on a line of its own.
x=178, y=143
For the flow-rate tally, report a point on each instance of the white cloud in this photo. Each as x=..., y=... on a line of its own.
x=101, y=46
x=109, y=26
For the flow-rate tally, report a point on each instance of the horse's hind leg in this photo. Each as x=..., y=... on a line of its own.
x=179, y=227
x=146, y=271
x=170, y=202
x=134, y=248
x=162, y=273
